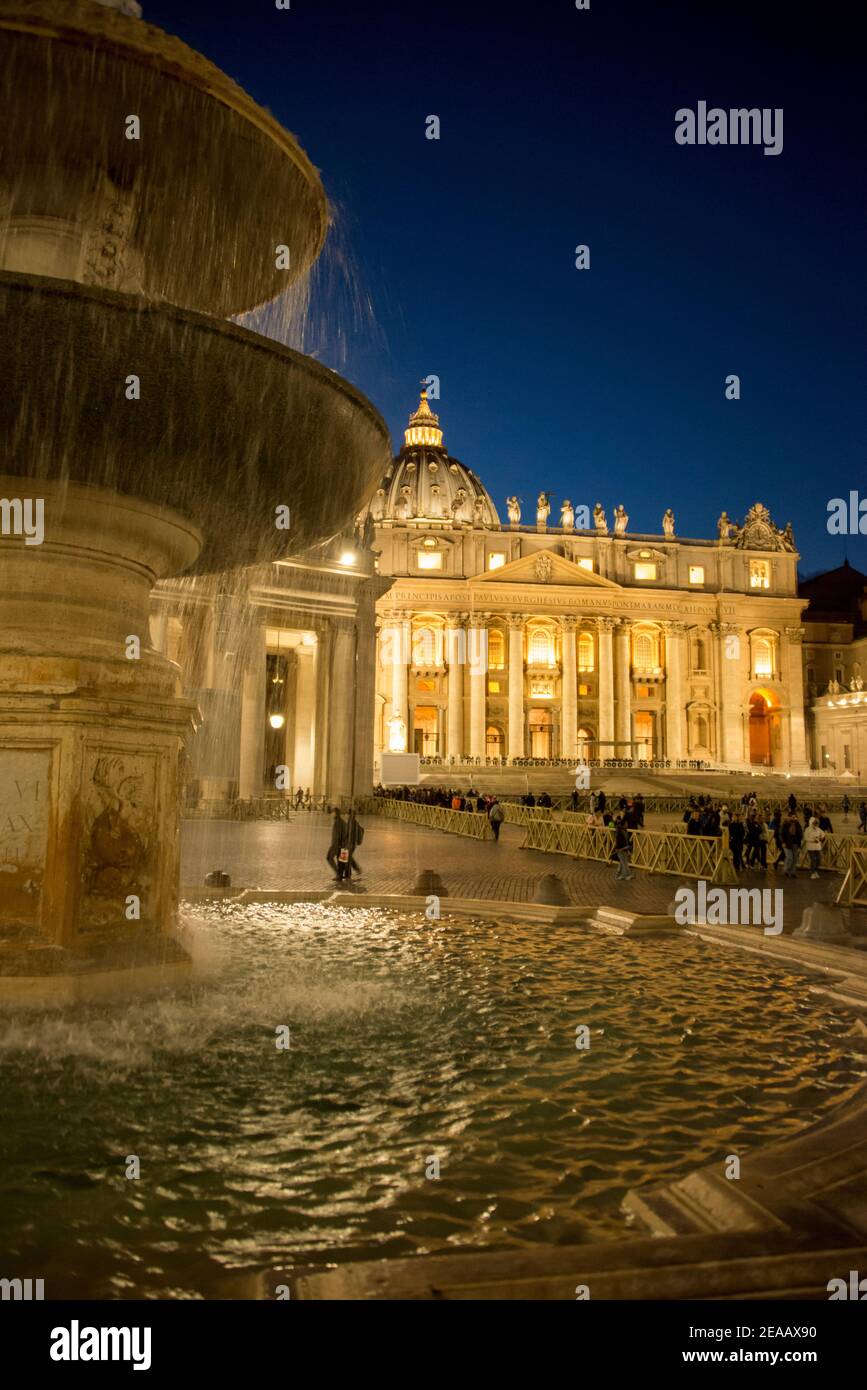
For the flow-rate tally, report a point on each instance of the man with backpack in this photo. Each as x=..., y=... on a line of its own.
x=496, y=816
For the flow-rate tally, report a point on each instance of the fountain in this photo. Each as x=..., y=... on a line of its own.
x=143, y=199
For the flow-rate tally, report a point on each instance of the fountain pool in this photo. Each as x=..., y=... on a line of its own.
x=409, y=1039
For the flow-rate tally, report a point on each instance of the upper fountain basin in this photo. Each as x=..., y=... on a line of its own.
x=192, y=211
x=188, y=412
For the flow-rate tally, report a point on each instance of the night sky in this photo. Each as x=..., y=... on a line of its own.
x=457, y=256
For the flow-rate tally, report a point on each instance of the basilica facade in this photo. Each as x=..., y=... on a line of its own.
x=556, y=633
x=569, y=636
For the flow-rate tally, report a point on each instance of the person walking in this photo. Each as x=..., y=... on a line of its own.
x=338, y=832
x=496, y=816
x=622, y=849
x=791, y=836
x=353, y=834
x=814, y=839
x=846, y=804
x=862, y=817
x=736, y=841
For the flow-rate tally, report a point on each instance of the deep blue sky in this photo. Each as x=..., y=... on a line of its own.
x=558, y=128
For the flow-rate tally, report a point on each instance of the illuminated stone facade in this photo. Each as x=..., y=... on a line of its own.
x=525, y=639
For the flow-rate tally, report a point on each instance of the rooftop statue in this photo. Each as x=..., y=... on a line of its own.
x=621, y=520
x=668, y=522
x=513, y=507
x=543, y=508
x=599, y=519
x=567, y=516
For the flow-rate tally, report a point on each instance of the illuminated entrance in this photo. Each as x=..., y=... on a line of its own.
x=764, y=728
x=541, y=721
x=424, y=730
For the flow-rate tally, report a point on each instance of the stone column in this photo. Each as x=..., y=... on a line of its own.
x=569, y=691
x=478, y=663
x=340, y=709
x=456, y=639
x=731, y=652
x=623, y=680
x=305, y=716
x=253, y=716
x=793, y=672
x=675, y=693
x=398, y=636
x=324, y=643
x=605, y=738
x=516, y=685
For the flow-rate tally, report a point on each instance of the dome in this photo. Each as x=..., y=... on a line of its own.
x=425, y=484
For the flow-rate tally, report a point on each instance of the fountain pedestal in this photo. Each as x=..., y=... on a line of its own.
x=92, y=726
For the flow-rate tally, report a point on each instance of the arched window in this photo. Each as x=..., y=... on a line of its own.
x=585, y=652
x=424, y=647
x=496, y=650
x=541, y=651
x=763, y=656
x=644, y=651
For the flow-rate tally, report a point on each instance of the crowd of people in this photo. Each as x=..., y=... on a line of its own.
x=760, y=835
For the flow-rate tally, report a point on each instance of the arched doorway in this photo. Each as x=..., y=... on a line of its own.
x=643, y=734
x=494, y=741
x=585, y=738
x=424, y=730
x=541, y=721
x=764, y=728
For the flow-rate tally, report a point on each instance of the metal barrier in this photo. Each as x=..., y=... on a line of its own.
x=474, y=824
x=655, y=851
x=854, y=888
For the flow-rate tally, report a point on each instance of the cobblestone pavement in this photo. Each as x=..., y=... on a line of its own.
x=292, y=856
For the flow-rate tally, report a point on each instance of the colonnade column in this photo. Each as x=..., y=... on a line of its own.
x=516, y=685
x=456, y=637
x=253, y=692
x=340, y=709
x=675, y=695
x=730, y=657
x=623, y=681
x=569, y=691
x=395, y=653
x=478, y=663
x=605, y=737
x=793, y=672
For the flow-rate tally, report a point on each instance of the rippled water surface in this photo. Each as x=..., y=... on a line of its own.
x=409, y=1040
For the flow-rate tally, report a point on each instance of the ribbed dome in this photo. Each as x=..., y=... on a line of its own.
x=425, y=484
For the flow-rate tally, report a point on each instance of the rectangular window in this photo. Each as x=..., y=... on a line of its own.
x=585, y=563
x=645, y=570
x=696, y=574
x=496, y=559
x=760, y=574
x=430, y=559
x=425, y=687
x=643, y=692
x=847, y=756
x=584, y=690
x=823, y=755
x=493, y=687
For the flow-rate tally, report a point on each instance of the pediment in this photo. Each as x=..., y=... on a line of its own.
x=544, y=567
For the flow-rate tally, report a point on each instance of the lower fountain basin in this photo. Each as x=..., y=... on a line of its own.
x=227, y=427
